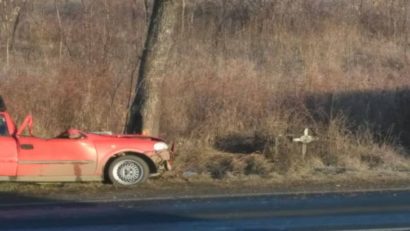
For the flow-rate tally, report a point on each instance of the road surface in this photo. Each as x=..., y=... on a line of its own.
x=389, y=210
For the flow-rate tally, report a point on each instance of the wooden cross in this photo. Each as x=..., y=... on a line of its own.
x=305, y=139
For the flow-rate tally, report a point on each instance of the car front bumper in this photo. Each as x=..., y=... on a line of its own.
x=162, y=160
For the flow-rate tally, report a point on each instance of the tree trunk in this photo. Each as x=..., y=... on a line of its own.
x=60, y=28
x=7, y=53
x=146, y=107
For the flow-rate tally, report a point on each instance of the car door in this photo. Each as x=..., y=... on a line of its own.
x=8, y=151
x=56, y=157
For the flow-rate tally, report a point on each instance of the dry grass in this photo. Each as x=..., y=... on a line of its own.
x=244, y=77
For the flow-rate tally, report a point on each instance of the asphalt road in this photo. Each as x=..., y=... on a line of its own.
x=389, y=210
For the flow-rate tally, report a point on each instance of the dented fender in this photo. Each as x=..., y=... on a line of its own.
x=162, y=159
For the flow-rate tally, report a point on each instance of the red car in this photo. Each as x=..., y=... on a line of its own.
x=78, y=156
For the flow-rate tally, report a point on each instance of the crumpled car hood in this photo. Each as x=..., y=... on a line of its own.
x=124, y=136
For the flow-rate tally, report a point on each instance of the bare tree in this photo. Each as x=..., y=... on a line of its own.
x=146, y=107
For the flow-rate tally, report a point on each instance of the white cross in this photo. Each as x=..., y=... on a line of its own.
x=305, y=140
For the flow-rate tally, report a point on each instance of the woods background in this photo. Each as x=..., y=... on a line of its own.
x=242, y=73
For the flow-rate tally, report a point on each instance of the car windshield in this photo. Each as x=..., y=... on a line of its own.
x=3, y=127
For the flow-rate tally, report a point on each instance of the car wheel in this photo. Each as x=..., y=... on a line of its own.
x=128, y=170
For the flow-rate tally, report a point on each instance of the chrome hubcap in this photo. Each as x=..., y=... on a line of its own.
x=128, y=172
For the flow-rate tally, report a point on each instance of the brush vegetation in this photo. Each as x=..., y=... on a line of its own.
x=244, y=78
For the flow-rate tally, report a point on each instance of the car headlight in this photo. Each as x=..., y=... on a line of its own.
x=160, y=146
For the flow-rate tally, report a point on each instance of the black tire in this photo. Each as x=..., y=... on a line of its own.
x=128, y=171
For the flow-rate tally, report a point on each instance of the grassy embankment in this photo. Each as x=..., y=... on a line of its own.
x=243, y=78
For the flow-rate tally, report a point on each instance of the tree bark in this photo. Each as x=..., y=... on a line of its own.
x=146, y=108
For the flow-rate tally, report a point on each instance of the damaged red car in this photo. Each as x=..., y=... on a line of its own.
x=75, y=155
